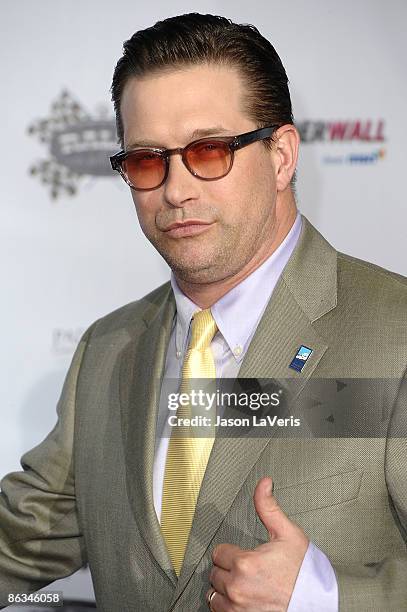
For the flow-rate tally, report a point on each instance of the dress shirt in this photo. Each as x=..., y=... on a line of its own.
x=237, y=315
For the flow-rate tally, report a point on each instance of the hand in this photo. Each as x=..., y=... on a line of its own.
x=263, y=579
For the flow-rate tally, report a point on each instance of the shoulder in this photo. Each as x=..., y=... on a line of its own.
x=371, y=272
x=131, y=315
x=375, y=289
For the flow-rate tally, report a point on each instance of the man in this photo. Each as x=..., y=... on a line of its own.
x=256, y=292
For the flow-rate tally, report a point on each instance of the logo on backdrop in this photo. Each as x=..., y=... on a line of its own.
x=365, y=136
x=79, y=145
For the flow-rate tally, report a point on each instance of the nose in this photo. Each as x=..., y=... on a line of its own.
x=181, y=186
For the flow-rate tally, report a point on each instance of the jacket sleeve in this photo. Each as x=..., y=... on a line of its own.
x=40, y=536
x=383, y=585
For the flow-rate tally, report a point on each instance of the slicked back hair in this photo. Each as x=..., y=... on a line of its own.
x=193, y=39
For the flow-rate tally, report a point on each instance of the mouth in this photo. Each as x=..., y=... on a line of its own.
x=191, y=227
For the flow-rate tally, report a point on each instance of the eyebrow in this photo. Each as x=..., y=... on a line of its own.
x=198, y=133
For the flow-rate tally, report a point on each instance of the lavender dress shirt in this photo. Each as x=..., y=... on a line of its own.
x=237, y=315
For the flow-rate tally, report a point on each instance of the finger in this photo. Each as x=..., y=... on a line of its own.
x=224, y=555
x=209, y=595
x=273, y=518
x=219, y=579
x=218, y=603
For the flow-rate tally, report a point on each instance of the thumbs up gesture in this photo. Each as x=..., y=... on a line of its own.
x=263, y=579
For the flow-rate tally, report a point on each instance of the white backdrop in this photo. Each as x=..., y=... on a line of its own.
x=67, y=260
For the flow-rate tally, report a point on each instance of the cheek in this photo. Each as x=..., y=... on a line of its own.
x=145, y=211
x=249, y=178
x=236, y=202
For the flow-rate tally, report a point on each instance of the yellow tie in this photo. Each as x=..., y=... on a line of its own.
x=187, y=454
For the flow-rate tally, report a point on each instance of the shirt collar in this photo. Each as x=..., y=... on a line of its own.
x=239, y=311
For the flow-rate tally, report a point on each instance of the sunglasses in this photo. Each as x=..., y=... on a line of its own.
x=209, y=159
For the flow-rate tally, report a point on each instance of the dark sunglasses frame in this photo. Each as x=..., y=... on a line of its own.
x=234, y=143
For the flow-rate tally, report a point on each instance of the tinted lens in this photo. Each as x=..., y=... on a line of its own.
x=209, y=159
x=144, y=170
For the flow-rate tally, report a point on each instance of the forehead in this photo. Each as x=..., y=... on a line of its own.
x=165, y=108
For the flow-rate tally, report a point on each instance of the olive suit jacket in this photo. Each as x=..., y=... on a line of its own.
x=85, y=493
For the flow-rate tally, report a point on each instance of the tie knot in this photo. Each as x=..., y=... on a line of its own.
x=203, y=329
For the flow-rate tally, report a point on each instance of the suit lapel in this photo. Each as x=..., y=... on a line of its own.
x=306, y=291
x=141, y=371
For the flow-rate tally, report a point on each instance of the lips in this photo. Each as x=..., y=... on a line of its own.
x=186, y=224
x=191, y=227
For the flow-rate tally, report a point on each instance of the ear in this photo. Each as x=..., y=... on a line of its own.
x=287, y=140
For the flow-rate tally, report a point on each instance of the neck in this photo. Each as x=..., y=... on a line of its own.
x=206, y=294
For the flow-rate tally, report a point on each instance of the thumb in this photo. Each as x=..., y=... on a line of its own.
x=269, y=512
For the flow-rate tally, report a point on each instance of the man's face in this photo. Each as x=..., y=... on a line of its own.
x=166, y=109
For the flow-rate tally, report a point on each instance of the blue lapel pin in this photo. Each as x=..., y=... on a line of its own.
x=300, y=358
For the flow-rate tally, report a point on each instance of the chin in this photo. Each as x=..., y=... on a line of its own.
x=196, y=274
x=190, y=263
